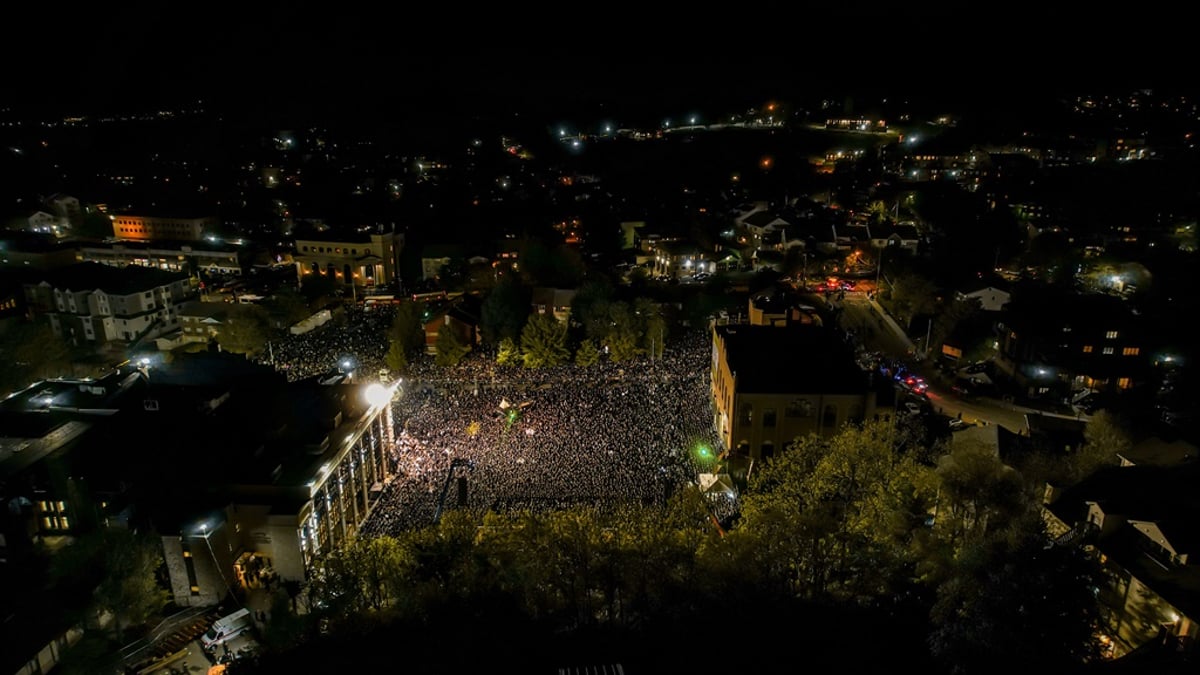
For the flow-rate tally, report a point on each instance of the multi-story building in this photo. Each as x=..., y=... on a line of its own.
x=149, y=228
x=682, y=259
x=191, y=258
x=771, y=384
x=304, y=491
x=1052, y=345
x=362, y=258
x=90, y=302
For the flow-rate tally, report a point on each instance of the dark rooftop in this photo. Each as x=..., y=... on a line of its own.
x=114, y=280
x=795, y=359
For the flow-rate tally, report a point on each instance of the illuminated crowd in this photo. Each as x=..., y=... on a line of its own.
x=355, y=342
x=604, y=435
x=612, y=433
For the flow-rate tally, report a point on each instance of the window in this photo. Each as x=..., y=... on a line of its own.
x=799, y=408
x=830, y=418
x=195, y=590
x=1111, y=335
x=769, y=418
x=1087, y=349
x=746, y=415
x=1124, y=383
x=1108, y=350
x=1130, y=351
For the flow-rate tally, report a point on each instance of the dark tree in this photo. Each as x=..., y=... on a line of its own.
x=504, y=312
x=1013, y=603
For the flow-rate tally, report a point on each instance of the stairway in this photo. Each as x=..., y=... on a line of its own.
x=177, y=640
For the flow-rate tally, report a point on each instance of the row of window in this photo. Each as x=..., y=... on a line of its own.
x=330, y=249
x=56, y=523
x=1127, y=351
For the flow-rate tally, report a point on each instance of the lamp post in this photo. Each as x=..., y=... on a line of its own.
x=205, y=534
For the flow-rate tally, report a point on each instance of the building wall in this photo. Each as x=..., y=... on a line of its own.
x=146, y=228
x=340, y=500
x=199, y=575
x=173, y=260
x=333, y=257
x=743, y=419
x=96, y=316
x=341, y=497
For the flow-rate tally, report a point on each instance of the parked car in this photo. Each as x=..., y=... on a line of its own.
x=912, y=408
x=958, y=425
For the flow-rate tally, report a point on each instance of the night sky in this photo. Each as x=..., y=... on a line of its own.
x=352, y=62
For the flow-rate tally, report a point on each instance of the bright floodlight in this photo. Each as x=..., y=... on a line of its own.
x=346, y=364
x=378, y=395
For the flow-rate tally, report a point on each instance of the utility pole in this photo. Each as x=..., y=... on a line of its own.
x=928, y=333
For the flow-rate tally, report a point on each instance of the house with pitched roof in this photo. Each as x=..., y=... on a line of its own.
x=1142, y=523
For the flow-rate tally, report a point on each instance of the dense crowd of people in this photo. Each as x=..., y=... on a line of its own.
x=356, y=340
x=608, y=434
x=604, y=435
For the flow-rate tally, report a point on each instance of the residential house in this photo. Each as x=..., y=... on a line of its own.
x=66, y=207
x=48, y=223
x=1053, y=343
x=1158, y=451
x=436, y=257
x=202, y=321
x=461, y=314
x=555, y=301
x=756, y=225
x=1142, y=523
x=681, y=259
x=901, y=237
x=990, y=298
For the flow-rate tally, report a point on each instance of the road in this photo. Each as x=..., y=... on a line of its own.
x=878, y=334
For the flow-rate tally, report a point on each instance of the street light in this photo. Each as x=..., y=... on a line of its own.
x=205, y=534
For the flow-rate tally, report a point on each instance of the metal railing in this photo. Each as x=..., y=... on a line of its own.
x=140, y=649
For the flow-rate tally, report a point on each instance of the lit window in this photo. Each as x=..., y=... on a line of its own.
x=61, y=506
x=1111, y=335
x=65, y=522
x=1108, y=350
x=46, y=524
x=1124, y=383
x=195, y=590
x=187, y=554
x=1131, y=351
x=1087, y=349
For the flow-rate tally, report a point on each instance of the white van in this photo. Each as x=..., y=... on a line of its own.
x=226, y=628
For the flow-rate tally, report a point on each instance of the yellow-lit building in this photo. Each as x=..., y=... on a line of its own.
x=148, y=228
x=771, y=384
x=363, y=259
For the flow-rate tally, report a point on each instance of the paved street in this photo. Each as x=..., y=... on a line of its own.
x=880, y=334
